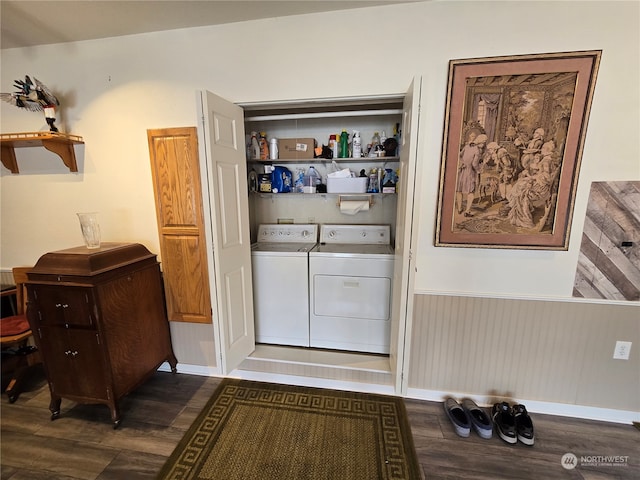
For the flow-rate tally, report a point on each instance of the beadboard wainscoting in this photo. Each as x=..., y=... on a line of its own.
x=556, y=354
x=6, y=277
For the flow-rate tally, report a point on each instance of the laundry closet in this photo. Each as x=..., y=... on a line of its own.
x=238, y=201
x=345, y=307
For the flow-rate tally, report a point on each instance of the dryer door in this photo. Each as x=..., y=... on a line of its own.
x=352, y=297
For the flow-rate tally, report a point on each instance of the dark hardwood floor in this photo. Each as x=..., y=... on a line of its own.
x=82, y=444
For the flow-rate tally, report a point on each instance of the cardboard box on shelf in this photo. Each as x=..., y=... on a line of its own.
x=295, y=148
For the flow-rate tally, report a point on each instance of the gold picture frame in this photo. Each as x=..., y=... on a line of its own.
x=513, y=138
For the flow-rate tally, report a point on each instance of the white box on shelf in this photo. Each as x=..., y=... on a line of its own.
x=347, y=185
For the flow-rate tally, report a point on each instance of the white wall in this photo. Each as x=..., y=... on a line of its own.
x=611, y=149
x=113, y=90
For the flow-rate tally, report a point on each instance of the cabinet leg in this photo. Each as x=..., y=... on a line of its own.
x=54, y=406
x=115, y=415
x=173, y=363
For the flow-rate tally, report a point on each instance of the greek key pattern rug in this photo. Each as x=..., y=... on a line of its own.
x=253, y=430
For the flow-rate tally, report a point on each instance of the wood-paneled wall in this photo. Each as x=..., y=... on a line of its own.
x=609, y=260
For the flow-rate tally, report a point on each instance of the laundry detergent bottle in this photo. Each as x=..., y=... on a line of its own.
x=264, y=146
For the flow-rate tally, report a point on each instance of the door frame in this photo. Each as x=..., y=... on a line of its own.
x=399, y=365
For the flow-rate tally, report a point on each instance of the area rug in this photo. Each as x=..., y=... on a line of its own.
x=253, y=430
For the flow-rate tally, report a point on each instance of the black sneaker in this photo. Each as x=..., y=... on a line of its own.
x=504, y=422
x=524, y=425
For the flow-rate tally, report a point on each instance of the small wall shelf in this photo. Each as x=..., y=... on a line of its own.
x=58, y=143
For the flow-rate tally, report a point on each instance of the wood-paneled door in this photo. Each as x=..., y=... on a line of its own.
x=178, y=194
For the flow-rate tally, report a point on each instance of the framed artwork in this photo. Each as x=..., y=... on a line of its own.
x=513, y=137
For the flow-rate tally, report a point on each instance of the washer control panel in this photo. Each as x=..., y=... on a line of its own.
x=289, y=233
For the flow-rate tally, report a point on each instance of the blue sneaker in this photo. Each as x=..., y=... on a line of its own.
x=480, y=421
x=458, y=417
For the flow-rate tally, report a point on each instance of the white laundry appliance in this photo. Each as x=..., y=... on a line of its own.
x=280, y=266
x=350, y=287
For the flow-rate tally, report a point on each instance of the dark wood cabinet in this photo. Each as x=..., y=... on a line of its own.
x=99, y=319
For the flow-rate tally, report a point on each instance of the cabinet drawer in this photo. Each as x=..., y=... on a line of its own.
x=70, y=306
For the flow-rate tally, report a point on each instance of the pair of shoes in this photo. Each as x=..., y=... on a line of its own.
x=468, y=415
x=513, y=424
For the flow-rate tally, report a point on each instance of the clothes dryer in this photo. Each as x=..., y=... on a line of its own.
x=350, y=288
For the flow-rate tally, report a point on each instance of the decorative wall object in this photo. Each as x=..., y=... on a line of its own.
x=513, y=138
x=609, y=260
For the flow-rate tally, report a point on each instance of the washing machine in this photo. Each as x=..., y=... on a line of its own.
x=280, y=264
x=350, y=287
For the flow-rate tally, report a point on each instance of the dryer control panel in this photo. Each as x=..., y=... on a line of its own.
x=356, y=234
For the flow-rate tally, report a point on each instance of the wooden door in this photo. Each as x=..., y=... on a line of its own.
x=227, y=194
x=402, y=299
x=177, y=186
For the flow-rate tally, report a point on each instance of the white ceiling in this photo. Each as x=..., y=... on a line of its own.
x=27, y=23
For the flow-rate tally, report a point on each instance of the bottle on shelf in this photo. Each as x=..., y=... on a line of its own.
x=254, y=147
x=312, y=180
x=397, y=135
x=344, y=144
x=373, y=181
x=375, y=143
x=333, y=145
x=356, y=145
x=264, y=146
x=299, y=181
x=273, y=149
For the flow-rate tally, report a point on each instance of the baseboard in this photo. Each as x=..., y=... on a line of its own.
x=200, y=370
x=535, y=406
x=281, y=378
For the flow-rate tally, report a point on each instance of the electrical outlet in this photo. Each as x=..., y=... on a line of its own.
x=622, y=350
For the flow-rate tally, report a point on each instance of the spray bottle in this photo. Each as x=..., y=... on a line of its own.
x=356, y=145
x=255, y=147
x=375, y=142
x=344, y=144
